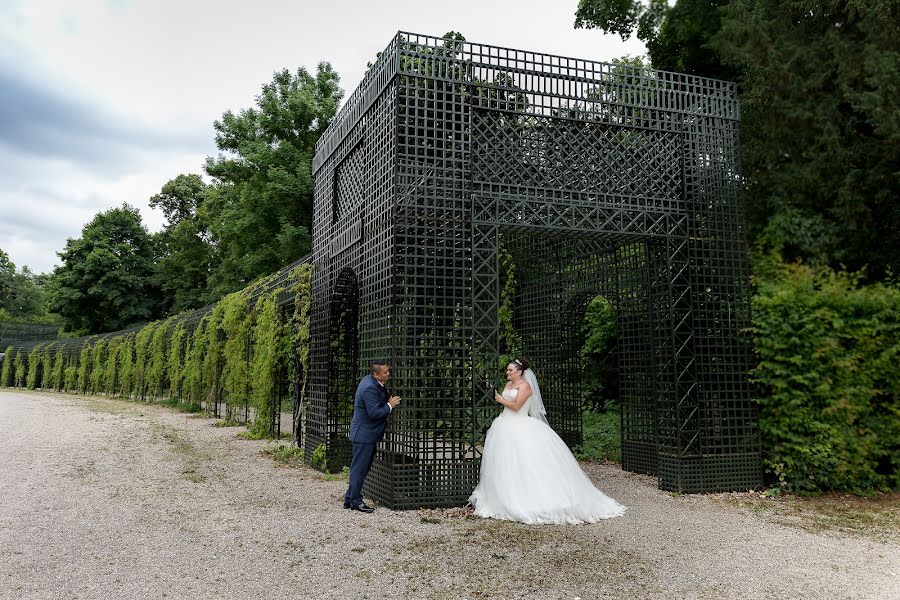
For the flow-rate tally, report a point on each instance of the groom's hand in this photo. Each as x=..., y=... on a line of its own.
x=394, y=401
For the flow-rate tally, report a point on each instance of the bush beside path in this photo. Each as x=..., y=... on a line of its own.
x=105, y=498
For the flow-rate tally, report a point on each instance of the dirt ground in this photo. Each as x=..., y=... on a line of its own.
x=103, y=498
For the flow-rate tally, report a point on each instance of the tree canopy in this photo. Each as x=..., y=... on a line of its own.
x=186, y=253
x=821, y=137
x=820, y=125
x=259, y=208
x=107, y=277
x=21, y=292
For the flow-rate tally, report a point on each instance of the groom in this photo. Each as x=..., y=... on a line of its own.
x=371, y=407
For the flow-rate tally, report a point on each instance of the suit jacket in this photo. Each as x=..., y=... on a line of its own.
x=370, y=410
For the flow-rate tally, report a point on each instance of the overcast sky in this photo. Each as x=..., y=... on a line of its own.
x=103, y=101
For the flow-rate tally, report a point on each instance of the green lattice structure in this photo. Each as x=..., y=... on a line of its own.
x=599, y=179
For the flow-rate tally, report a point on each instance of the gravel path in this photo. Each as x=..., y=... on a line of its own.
x=105, y=498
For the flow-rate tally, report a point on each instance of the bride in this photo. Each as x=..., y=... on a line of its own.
x=528, y=473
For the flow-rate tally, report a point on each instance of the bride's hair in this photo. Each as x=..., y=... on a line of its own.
x=521, y=363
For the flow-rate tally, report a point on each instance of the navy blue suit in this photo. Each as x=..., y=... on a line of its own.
x=370, y=411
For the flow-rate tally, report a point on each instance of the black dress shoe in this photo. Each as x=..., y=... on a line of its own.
x=362, y=508
x=346, y=505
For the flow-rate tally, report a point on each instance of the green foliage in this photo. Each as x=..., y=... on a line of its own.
x=510, y=339
x=7, y=372
x=828, y=351
x=175, y=367
x=181, y=406
x=55, y=379
x=320, y=458
x=126, y=365
x=302, y=292
x=259, y=209
x=599, y=359
x=99, y=355
x=183, y=270
x=84, y=368
x=236, y=324
x=265, y=362
x=821, y=127
x=141, y=360
x=112, y=365
x=213, y=357
x=195, y=353
x=602, y=434
x=107, y=280
x=156, y=361
x=43, y=379
x=289, y=455
x=34, y=366
x=297, y=337
x=677, y=36
x=20, y=370
x=820, y=136
x=21, y=293
x=70, y=378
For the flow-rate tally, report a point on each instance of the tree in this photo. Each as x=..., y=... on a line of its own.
x=678, y=37
x=820, y=117
x=107, y=279
x=821, y=134
x=184, y=267
x=259, y=209
x=21, y=292
x=7, y=281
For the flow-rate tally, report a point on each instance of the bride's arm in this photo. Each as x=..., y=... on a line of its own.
x=523, y=393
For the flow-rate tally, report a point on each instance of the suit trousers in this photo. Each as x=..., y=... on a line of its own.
x=363, y=455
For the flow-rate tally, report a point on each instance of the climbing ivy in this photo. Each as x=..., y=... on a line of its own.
x=175, y=367
x=156, y=364
x=70, y=378
x=6, y=370
x=264, y=364
x=111, y=366
x=98, y=365
x=126, y=366
x=55, y=380
x=237, y=352
x=236, y=324
x=195, y=353
x=34, y=363
x=141, y=349
x=20, y=370
x=213, y=358
x=84, y=369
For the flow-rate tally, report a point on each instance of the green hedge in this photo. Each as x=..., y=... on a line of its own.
x=236, y=353
x=7, y=370
x=829, y=380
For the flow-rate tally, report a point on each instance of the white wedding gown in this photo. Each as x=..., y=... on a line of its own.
x=529, y=475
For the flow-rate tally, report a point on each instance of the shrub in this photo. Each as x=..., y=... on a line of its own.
x=602, y=438
x=55, y=379
x=34, y=365
x=7, y=372
x=156, y=361
x=84, y=369
x=828, y=350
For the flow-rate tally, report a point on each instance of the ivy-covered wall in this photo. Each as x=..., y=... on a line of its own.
x=237, y=354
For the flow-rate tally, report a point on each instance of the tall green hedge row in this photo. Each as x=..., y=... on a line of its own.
x=232, y=354
x=828, y=376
